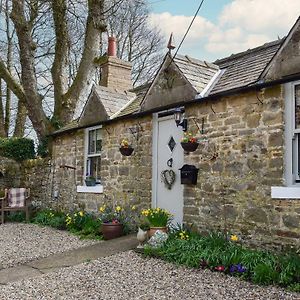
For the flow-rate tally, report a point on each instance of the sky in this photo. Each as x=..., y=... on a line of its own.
x=223, y=27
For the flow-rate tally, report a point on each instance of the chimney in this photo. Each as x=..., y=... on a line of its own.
x=115, y=73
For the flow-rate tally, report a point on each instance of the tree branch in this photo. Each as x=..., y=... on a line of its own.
x=95, y=25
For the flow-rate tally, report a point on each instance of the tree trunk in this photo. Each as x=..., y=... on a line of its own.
x=2, y=131
x=20, y=120
x=33, y=100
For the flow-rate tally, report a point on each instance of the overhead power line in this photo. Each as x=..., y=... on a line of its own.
x=186, y=33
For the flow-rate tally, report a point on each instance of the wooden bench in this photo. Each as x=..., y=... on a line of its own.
x=15, y=200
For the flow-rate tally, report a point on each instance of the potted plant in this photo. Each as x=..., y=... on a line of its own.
x=157, y=218
x=90, y=180
x=125, y=148
x=189, y=143
x=111, y=218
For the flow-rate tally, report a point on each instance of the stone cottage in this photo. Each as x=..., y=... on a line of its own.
x=244, y=109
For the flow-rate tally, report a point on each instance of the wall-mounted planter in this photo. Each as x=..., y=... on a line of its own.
x=188, y=174
x=189, y=147
x=126, y=151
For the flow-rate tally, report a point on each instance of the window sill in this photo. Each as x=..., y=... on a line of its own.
x=97, y=189
x=285, y=192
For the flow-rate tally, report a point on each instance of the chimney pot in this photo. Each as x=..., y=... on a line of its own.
x=112, y=46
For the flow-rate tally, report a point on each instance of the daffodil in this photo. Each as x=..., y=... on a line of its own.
x=102, y=209
x=133, y=207
x=118, y=208
x=81, y=213
x=234, y=238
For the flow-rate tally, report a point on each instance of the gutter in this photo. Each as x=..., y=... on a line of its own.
x=253, y=86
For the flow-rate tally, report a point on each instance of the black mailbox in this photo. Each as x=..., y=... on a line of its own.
x=188, y=174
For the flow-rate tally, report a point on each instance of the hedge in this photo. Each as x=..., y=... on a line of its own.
x=17, y=148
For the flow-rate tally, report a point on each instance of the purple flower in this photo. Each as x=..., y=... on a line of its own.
x=237, y=268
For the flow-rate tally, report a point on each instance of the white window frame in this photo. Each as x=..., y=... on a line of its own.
x=291, y=190
x=89, y=189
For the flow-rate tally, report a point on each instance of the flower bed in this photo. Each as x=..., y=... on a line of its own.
x=225, y=254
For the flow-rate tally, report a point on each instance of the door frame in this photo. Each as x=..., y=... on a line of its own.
x=154, y=159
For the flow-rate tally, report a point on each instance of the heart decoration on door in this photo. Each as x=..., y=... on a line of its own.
x=168, y=178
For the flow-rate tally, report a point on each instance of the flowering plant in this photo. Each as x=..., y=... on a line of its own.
x=188, y=138
x=157, y=217
x=117, y=214
x=125, y=144
x=111, y=214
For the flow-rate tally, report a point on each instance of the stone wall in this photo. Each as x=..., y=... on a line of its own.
x=124, y=178
x=240, y=161
x=240, y=157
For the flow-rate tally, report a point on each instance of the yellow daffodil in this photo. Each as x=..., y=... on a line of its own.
x=234, y=238
x=102, y=209
x=133, y=207
x=118, y=208
x=81, y=213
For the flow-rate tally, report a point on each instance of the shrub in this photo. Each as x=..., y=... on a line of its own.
x=17, y=148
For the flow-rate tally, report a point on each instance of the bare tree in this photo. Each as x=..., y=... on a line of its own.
x=54, y=47
x=138, y=42
x=24, y=16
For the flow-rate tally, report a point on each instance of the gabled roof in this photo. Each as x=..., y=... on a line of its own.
x=244, y=68
x=112, y=99
x=197, y=72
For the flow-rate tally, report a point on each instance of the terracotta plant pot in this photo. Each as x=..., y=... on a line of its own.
x=189, y=147
x=126, y=151
x=152, y=230
x=111, y=231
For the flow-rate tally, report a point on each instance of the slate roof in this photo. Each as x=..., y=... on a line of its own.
x=198, y=73
x=112, y=99
x=135, y=104
x=238, y=70
x=244, y=68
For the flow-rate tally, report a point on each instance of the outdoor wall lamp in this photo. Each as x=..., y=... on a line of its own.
x=180, y=119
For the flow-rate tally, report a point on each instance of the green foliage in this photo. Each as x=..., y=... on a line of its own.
x=215, y=250
x=84, y=224
x=295, y=287
x=43, y=149
x=265, y=274
x=157, y=217
x=55, y=219
x=18, y=149
x=17, y=216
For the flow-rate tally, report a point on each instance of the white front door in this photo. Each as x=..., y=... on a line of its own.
x=168, y=155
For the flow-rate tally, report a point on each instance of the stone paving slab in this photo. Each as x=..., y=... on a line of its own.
x=67, y=259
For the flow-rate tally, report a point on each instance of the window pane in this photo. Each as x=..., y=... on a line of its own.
x=98, y=141
x=297, y=106
x=92, y=141
x=94, y=166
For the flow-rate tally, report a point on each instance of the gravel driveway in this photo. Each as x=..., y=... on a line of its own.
x=127, y=276
x=124, y=276
x=20, y=243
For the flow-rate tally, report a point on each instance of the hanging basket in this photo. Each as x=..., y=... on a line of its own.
x=189, y=147
x=126, y=151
